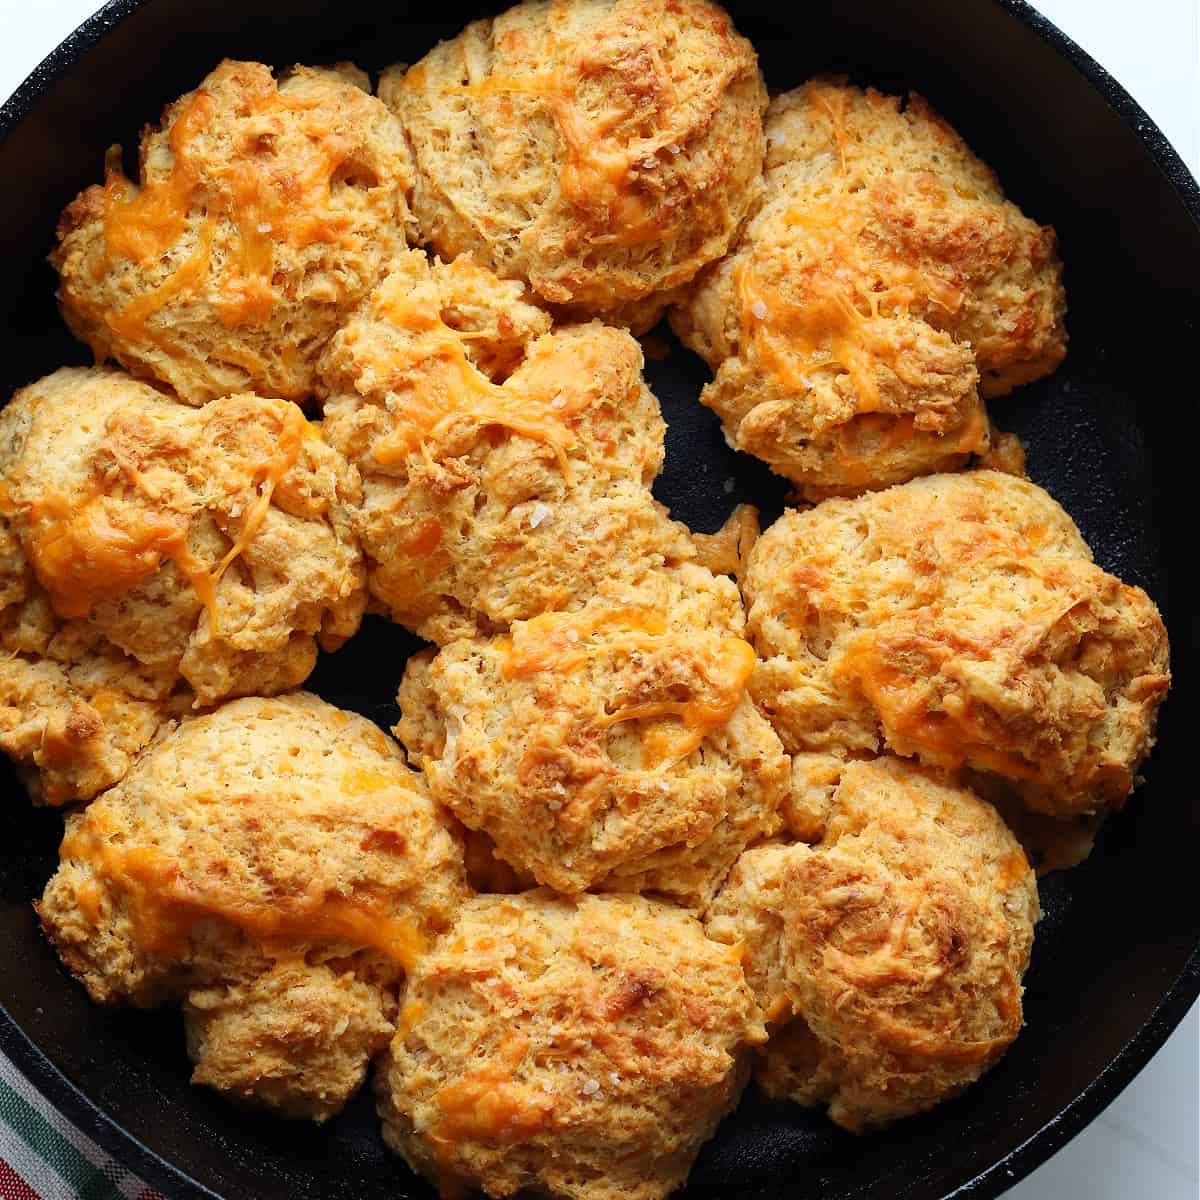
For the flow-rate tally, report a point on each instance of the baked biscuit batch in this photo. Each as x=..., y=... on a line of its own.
x=664, y=812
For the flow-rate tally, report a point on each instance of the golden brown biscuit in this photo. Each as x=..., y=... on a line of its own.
x=613, y=747
x=74, y=710
x=601, y=150
x=960, y=619
x=506, y=469
x=265, y=211
x=278, y=866
x=889, y=956
x=581, y=1048
x=294, y=1039
x=882, y=287
x=212, y=543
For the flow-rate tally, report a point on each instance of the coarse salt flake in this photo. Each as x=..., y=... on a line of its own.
x=572, y=635
x=539, y=514
x=759, y=309
x=728, y=485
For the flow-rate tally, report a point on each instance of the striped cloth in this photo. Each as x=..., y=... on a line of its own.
x=44, y=1157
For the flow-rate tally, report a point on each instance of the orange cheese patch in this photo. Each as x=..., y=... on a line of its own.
x=726, y=668
x=100, y=546
x=264, y=480
x=267, y=478
x=438, y=386
x=164, y=904
x=143, y=223
x=562, y=642
x=842, y=296
x=269, y=198
x=97, y=549
x=597, y=174
x=487, y=1104
x=951, y=736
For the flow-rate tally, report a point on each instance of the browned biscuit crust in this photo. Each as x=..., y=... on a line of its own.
x=960, y=619
x=601, y=150
x=153, y=553
x=265, y=211
x=613, y=747
x=884, y=285
x=506, y=468
x=888, y=957
x=583, y=1048
x=278, y=867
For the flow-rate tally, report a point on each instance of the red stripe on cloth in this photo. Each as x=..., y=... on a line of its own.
x=12, y=1186
x=145, y=1194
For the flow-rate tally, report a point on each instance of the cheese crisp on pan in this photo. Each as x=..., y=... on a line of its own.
x=602, y=150
x=265, y=210
x=276, y=867
x=881, y=289
x=156, y=554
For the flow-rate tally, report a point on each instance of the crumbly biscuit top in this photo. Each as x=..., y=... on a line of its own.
x=603, y=150
x=583, y=1046
x=883, y=284
x=895, y=946
x=959, y=618
x=264, y=209
x=213, y=542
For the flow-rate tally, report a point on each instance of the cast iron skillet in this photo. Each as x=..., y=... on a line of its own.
x=1117, y=962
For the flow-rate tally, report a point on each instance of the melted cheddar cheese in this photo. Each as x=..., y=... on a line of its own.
x=561, y=643
x=295, y=428
x=164, y=904
x=267, y=197
x=598, y=170
x=951, y=736
x=841, y=294
x=438, y=386
x=486, y=1103
x=97, y=547
x=87, y=551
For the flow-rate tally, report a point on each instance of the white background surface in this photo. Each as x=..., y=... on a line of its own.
x=1146, y=1146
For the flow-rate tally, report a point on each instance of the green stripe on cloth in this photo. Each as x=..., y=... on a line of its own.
x=89, y=1181
x=128, y=1184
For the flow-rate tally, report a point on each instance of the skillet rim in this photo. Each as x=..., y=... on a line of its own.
x=1003, y=1174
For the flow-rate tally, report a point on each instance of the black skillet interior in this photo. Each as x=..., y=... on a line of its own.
x=1116, y=960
